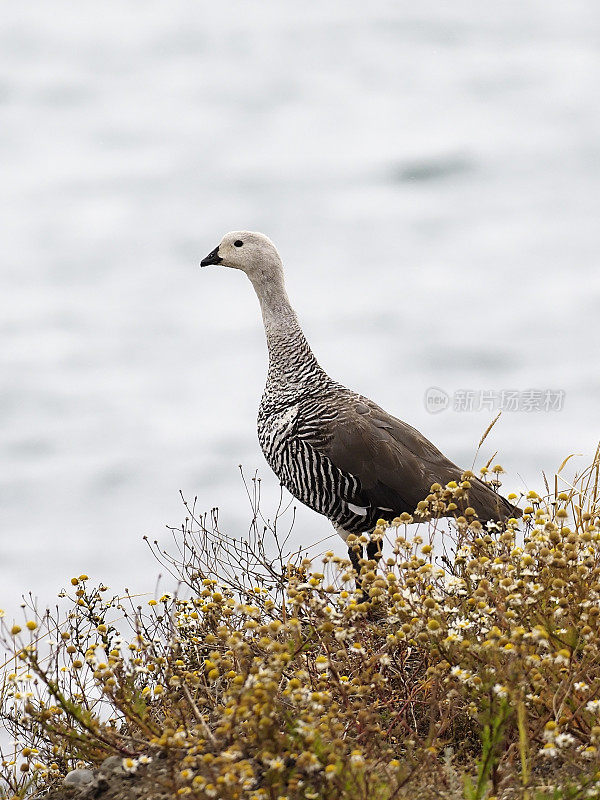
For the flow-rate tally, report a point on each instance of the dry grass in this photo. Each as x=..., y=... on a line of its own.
x=468, y=674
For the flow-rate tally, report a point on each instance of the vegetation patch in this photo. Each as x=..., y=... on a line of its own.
x=467, y=669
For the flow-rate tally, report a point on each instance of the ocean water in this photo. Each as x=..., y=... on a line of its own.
x=430, y=173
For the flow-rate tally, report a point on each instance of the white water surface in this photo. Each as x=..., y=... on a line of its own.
x=429, y=171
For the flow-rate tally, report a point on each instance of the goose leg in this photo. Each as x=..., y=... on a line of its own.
x=374, y=553
x=374, y=550
x=355, y=555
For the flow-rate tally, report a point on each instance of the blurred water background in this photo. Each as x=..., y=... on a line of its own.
x=429, y=171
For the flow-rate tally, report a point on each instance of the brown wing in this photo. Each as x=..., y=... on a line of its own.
x=395, y=464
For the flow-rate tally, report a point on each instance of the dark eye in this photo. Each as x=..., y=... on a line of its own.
x=239, y=243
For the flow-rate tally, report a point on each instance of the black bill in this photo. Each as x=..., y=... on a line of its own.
x=212, y=258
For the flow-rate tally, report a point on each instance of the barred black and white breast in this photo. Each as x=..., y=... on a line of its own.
x=293, y=439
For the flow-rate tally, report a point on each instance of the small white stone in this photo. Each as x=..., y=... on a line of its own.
x=78, y=777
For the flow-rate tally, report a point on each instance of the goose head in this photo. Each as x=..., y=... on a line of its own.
x=253, y=253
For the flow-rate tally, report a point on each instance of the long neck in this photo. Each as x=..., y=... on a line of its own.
x=292, y=364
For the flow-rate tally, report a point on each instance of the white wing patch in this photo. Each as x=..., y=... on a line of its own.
x=360, y=510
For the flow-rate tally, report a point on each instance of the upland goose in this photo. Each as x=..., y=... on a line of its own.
x=336, y=451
